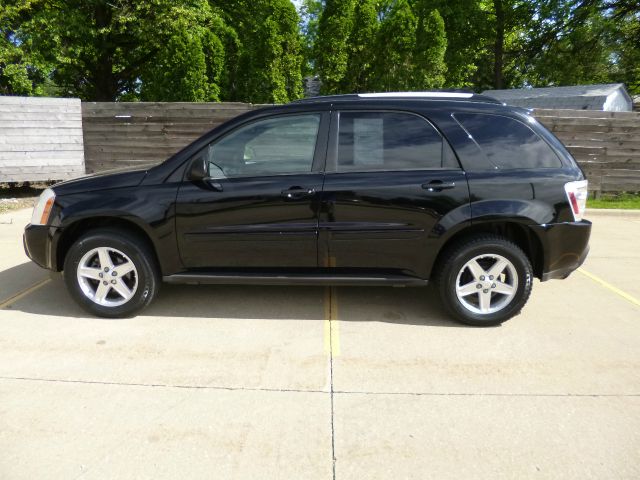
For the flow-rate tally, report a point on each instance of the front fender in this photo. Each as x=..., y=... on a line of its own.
x=150, y=209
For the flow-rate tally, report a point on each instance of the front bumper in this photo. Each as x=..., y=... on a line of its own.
x=39, y=245
x=565, y=247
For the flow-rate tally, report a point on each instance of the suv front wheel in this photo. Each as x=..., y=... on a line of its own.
x=111, y=273
x=485, y=281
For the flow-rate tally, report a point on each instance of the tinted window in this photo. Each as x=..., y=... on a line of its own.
x=388, y=141
x=273, y=146
x=508, y=143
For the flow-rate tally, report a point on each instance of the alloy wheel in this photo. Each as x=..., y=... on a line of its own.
x=107, y=276
x=486, y=284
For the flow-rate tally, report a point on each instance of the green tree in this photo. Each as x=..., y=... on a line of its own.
x=586, y=41
x=105, y=50
x=310, y=11
x=465, y=27
x=331, y=49
x=189, y=50
x=270, y=57
x=361, y=47
x=189, y=67
x=429, y=66
x=23, y=70
x=396, y=46
x=578, y=57
x=627, y=42
x=504, y=33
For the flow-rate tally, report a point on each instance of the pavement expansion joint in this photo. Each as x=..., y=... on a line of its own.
x=484, y=394
x=332, y=321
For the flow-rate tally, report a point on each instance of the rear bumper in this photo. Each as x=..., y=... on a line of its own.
x=39, y=245
x=565, y=247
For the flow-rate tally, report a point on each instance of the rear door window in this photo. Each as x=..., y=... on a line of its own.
x=369, y=141
x=507, y=142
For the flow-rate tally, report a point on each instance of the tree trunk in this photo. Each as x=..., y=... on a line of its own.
x=498, y=48
x=105, y=83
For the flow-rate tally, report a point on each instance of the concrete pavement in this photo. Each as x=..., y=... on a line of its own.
x=278, y=382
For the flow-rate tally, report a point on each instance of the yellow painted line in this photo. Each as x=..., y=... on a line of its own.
x=327, y=320
x=11, y=300
x=610, y=287
x=335, y=324
x=331, y=323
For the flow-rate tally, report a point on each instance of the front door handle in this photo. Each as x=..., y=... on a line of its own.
x=438, y=186
x=296, y=193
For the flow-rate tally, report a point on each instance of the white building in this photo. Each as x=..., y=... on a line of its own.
x=610, y=97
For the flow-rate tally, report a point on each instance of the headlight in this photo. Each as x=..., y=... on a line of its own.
x=42, y=210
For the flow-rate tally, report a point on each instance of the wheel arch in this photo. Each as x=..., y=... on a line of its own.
x=517, y=232
x=75, y=230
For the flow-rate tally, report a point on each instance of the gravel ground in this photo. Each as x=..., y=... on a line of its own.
x=15, y=197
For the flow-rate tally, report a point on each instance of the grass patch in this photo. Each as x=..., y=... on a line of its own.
x=625, y=201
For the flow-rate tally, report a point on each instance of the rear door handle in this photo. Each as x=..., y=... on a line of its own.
x=438, y=186
x=296, y=193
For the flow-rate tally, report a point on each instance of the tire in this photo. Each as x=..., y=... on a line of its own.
x=111, y=273
x=484, y=281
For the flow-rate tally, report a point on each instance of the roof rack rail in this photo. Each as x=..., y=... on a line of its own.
x=435, y=95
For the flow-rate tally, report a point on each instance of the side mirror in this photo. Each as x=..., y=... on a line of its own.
x=198, y=171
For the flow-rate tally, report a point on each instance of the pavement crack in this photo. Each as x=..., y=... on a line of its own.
x=332, y=392
x=163, y=385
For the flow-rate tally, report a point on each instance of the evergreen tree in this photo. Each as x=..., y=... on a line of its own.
x=310, y=11
x=189, y=66
x=361, y=47
x=269, y=68
x=396, y=45
x=429, y=67
x=466, y=28
x=331, y=50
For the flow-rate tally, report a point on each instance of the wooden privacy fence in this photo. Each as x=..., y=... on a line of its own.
x=139, y=133
x=40, y=139
x=605, y=144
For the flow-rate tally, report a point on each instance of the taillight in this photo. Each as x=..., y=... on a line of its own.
x=577, y=196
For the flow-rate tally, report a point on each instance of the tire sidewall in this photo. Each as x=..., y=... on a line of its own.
x=491, y=247
x=130, y=246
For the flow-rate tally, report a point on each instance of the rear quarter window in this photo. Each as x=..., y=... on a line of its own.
x=508, y=143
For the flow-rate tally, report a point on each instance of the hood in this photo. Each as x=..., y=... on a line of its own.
x=119, y=178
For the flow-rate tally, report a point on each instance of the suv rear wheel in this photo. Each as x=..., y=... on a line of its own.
x=485, y=281
x=111, y=273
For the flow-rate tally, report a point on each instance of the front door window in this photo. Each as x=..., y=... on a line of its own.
x=275, y=146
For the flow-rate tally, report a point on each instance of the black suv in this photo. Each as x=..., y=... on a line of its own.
x=370, y=189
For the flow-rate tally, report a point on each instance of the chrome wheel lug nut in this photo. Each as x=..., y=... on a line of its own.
x=485, y=290
x=106, y=269
x=493, y=286
x=482, y=277
x=490, y=277
x=114, y=273
x=113, y=282
x=479, y=285
x=100, y=275
x=105, y=283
